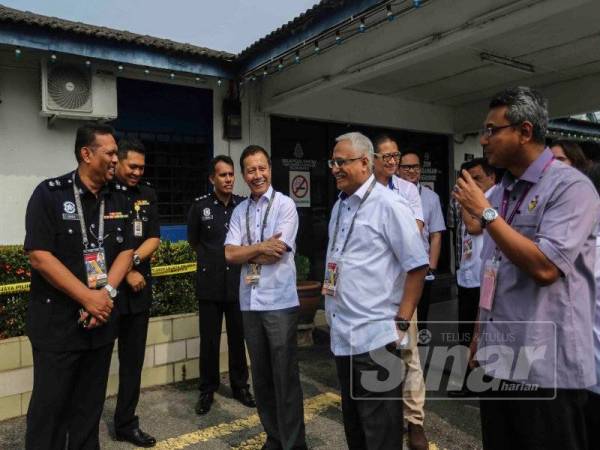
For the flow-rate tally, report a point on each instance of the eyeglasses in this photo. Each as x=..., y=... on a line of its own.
x=410, y=167
x=488, y=132
x=388, y=157
x=340, y=162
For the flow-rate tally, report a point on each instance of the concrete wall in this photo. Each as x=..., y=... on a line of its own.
x=172, y=351
x=30, y=151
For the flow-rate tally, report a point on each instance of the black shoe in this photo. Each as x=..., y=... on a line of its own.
x=244, y=396
x=136, y=437
x=204, y=403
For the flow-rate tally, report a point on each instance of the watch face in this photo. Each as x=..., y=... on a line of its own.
x=489, y=214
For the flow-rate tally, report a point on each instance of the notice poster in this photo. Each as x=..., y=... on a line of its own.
x=300, y=188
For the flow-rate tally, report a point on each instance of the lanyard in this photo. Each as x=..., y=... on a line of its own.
x=82, y=219
x=504, y=208
x=337, y=220
x=506, y=195
x=391, y=184
x=264, y=221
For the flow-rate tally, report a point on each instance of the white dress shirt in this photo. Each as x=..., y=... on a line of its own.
x=276, y=288
x=385, y=244
x=409, y=193
x=432, y=212
x=469, y=272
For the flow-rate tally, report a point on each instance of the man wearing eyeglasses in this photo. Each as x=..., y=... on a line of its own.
x=374, y=276
x=537, y=281
x=410, y=170
x=385, y=166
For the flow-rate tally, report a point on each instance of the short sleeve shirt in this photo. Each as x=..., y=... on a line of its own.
x=383, y=247
x=559, y=214
x=276, y=288
x=409, y=193
x=432, y=213
x=52, y=224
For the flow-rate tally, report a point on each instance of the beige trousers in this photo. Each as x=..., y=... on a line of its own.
x=414, y=386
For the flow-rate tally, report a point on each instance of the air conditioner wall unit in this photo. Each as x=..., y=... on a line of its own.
x=75, y=91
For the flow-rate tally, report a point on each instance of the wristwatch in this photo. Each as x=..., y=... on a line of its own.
x=112, y=292
x=488, y=216
x=402, y=324
x=136, y=259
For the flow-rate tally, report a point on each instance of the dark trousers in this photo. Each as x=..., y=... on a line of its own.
x=271, y=338
x=423, y=306
x=133, y=329
x=592, y=415
x=372, y=419
x=68, y=396
x=530, y=424
x=468, y=306
x=211, y=317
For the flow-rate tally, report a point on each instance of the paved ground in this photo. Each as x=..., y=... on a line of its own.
x=168, y=412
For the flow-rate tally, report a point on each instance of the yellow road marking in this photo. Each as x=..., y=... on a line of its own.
x=312, y=406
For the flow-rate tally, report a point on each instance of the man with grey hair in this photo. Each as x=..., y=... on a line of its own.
x=537, y=282
x=375, y=267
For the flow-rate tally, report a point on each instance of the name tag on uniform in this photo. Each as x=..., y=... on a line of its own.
x=253, y=275
x=138, y=228
x=332, y=273
x=95, y=267
x=488, y=284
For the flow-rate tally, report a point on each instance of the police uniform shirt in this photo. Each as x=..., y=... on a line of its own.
x=144, y=198
x=208, y=223
x=52, y=224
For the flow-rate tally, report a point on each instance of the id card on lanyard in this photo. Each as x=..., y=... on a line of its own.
x=333, y=268
x=489, y=283
x=138, y=228
x=253, y=270
x=94, y=259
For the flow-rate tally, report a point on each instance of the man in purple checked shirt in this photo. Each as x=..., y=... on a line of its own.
x=534, y=341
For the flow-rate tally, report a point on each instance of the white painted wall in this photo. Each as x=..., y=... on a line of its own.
x=30, y=151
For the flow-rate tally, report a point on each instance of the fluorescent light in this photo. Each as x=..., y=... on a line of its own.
x=508, y=62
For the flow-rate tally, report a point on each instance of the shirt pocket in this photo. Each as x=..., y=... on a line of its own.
x=527, y=224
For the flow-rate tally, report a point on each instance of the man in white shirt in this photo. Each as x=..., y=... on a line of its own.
x=387, y=157
x=469, y=272
x=262, y=237
x=374, y=277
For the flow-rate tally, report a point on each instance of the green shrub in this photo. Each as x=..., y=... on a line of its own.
x=302, y=267
x=172, y=294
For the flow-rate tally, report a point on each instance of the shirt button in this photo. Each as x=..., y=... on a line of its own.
x=93, y=225
x=491, y=319
x=70, y=231
x=208, y=227
x=348, y=208
x=227, y=268
x=48, y=300
x=333, y=315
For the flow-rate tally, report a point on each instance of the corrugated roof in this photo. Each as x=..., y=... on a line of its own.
x=303, y=20
x=10, y=15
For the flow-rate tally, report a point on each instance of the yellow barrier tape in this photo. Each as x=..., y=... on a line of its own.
x=159, y=271
x=174, y=269
x=14, y=288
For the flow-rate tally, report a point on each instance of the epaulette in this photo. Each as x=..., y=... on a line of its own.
x=118, y=186
x=202, y=197
x=146, y=183
x=61, y=182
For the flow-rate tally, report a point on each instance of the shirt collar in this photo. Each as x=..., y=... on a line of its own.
x=232, y=201
x=267, y=195
x=83, y=189
x=360, y=192
x=534, y=172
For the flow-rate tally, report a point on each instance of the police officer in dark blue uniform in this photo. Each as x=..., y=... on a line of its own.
x=80, y=247
x=136, y=292
x=217, y=287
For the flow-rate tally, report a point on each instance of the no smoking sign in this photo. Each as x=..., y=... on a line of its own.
x=300, y=188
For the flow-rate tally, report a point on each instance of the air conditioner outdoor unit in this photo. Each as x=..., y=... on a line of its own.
x=74, y=91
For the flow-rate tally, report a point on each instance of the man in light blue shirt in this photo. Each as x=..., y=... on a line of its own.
x=375, y=269
x=262, y=237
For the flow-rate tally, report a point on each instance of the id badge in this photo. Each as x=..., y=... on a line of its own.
x=95, y=267
x=138, y=228
x=332, y=274
x=467, y=248
x=488, y=284
x=253, y=275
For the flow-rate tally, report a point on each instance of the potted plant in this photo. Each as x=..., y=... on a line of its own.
x=309, y=295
